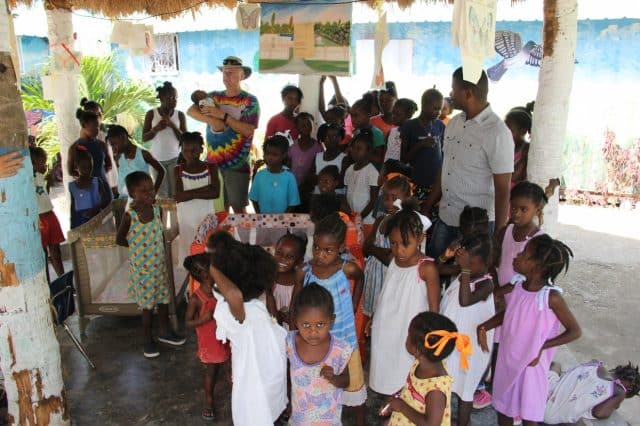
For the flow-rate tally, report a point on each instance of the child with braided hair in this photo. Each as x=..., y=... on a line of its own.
x=589, y=391
x=530, y=331
x=411, y=285
x=425, y=397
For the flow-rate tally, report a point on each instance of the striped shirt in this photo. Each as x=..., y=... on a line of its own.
x=474, y=151
x=344, y=326
x=229, y=149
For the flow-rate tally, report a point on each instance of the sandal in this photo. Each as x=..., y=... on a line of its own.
x=207, y=414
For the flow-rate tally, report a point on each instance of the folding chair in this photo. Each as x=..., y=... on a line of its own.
x=63, y=306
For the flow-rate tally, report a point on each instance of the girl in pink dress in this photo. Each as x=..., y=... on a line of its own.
x=527, y=201
x=530, y=331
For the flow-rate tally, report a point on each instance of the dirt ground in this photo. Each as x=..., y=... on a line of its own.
x=601, y=286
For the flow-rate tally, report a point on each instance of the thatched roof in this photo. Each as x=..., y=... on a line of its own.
x=165, y=9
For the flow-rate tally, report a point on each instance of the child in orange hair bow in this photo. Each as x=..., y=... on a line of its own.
x=426, y=394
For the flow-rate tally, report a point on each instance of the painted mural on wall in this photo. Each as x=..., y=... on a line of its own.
x=508, y=44
x=305, y=39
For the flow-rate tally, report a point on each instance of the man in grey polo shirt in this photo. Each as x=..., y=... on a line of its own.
x=477, y=164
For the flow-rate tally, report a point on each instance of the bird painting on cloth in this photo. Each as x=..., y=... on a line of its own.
x=508, y=44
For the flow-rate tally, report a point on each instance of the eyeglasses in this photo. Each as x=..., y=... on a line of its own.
x=318, y=325
x=232, y=62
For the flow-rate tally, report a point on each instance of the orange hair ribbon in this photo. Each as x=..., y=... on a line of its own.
x=463, y=345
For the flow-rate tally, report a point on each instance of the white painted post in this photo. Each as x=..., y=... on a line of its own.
x=309, y=85
x=66, y=100
x=29, y=350
x=552, y=101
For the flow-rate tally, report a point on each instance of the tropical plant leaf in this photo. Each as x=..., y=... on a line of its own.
x=103, y=80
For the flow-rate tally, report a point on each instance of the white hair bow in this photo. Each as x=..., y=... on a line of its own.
x=287, y=135
x=426, y=223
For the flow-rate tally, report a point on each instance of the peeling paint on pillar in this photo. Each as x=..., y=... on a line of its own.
x=36, y=412
x=29, y=350
x=550, y=29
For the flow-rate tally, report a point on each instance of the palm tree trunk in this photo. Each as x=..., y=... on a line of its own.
x=552, y=101
x=29, y=350
x=66, y=76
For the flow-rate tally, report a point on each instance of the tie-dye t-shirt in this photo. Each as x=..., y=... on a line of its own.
x=315, y=401
x=229, y=149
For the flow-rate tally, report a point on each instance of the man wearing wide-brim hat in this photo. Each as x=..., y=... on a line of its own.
x=231, y=123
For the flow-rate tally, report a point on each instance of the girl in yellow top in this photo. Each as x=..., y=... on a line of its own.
x=425, y=398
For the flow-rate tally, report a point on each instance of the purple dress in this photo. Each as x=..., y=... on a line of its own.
x=301, y=161
x=520, y=390
x=510, y=249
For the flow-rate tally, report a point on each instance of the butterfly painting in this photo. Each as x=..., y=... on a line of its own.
x=248, y=17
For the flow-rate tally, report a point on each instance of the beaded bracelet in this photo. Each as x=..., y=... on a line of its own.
x=465, y=271
x=442, y=259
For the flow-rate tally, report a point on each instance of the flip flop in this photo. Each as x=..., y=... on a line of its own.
x=207, y=415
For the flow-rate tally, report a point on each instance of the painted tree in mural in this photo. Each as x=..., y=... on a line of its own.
x=29, y=350
x=560, y=33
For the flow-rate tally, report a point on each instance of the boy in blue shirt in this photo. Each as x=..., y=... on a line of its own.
x=274, y=188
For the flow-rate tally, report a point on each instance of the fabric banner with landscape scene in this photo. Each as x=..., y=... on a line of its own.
x=305, y=38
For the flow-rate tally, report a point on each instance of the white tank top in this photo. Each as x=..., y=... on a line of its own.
x=165, y=146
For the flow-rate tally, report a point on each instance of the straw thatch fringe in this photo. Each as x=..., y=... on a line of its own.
x=166, y=9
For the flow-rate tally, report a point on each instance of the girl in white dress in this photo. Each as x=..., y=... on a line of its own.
x=469, y=302
x=411, y=286
x=197, y=186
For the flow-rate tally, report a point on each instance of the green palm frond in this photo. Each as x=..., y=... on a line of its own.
x=103, y=80
x=32, y=97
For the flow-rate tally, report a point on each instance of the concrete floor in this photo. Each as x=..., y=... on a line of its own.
x=127, y=389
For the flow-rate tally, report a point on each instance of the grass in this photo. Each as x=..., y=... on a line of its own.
x=324, y=66
x=269, y=64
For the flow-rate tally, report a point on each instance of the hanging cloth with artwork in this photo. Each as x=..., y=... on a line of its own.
x=473, y=29
x=305, y=38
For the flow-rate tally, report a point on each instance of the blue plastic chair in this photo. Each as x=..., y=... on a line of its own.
x=63, y=305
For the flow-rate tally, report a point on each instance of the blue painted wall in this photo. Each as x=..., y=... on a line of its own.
x=35, y=52
x=604, y=93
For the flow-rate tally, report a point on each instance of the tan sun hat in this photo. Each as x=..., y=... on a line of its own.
x=235, y=62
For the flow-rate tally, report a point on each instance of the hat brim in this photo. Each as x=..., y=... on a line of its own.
x=247, y=70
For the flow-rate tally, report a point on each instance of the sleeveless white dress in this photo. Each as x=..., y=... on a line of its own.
x=467, y=319
x=403, y=296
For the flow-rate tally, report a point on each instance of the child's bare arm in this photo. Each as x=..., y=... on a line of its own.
x=467, y=297
x=606, y=408
x=337, y=380
x=300, y=274
x=192, y=318
x=123, y=230
x=572, y=328
x=150, y=160
x=429, y=274
x=489, y=324
x=384, y=255
x=230, y=292
x=353, y=272
x=373, y=196
x=271, y=303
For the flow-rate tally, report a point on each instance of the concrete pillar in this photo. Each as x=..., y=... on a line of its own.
x=552, y=101
x=29, y=350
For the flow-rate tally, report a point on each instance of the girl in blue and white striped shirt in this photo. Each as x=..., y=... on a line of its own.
x=329, y=270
